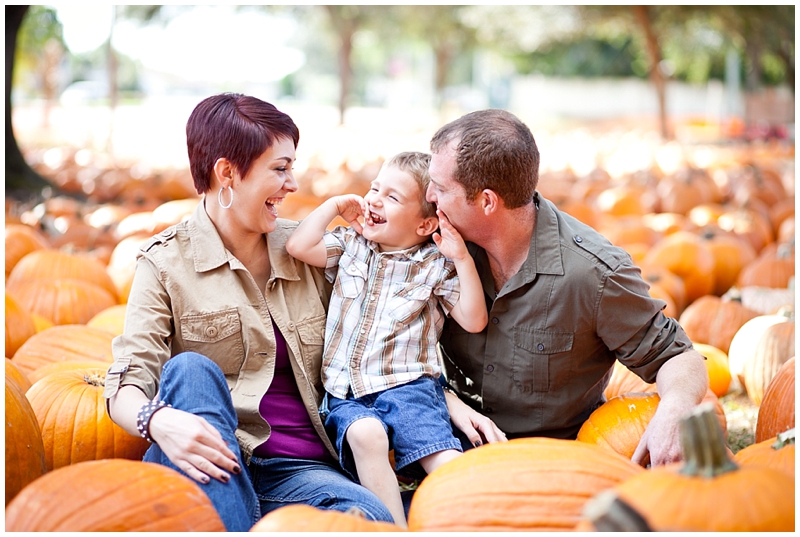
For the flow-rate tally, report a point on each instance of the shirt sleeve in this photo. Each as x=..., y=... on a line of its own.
x=143, y=348
x=448, y=288
x=335, y=242
x=634, y=327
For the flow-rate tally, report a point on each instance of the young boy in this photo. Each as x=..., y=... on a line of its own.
x=392, y=288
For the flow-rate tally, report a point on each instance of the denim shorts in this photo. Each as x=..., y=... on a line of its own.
x=414, y=416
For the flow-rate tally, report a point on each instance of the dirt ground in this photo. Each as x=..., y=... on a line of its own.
x=741, y=415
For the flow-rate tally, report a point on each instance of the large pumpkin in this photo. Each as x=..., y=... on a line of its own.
x=525, y=484
x=776, y=412
x=63, y=300
x=776, y=452
x=301, y=517
x=19, y=325
x=685, y=254
x=774, y=348
x=714, y=321
x=16, y=375
x=71, y=411
x=619, y=423
x=55, y=264
x=114, y=495
x=70, y=342
x=24, y=448
x=708, y=491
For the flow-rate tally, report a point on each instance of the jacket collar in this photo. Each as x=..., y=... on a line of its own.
x=209, y=252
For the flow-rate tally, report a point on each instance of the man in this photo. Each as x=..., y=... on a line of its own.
x=564, y=303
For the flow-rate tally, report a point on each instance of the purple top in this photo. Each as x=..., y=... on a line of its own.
x=293, y=435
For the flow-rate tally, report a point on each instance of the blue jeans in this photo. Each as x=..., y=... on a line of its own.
x=193, y=383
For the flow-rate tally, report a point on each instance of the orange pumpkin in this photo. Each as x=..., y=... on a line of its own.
x=656, y=275
x=776, y=452
x=63, y=300
x=58, y=367
x=770, y=269
x=719, y=374
x=24, y=448
x=708, y=491
x=19, y=325
x=20, y=241
x=685, y=254
x=14, y=374
x=114, y=495
x=111, y=319
x=714, y=321
x=776, y=412
x=301, y=517
x=621, y=201
x=71, y=411
x=41, y=323
x=69, y=342
x=731, y=254
x=749, y=224
x=54, y=264
x=619, y=423
x=625, y=230
x=524, y=484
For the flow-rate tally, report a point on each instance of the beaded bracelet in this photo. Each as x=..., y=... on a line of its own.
x=145, y=415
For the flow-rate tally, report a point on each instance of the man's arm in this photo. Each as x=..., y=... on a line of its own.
x=306, y=242
x=682, y=383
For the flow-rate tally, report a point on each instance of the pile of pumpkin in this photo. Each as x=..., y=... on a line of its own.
x=716, y=245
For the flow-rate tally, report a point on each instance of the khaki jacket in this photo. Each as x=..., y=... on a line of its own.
x=191, y=294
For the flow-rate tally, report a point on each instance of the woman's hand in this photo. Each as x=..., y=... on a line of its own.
x=193, y=445
x=478, y=428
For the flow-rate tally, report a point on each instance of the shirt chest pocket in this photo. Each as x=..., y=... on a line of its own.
x=535, y=365
x=351, y=278
x=217, y=335
x=408, y=300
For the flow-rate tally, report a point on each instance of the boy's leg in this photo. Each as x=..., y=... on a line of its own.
x=433, y=461
x=370, y=445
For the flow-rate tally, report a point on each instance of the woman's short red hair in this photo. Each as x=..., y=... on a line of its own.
x=234, y=126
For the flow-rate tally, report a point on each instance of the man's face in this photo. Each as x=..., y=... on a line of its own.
x=448, y=195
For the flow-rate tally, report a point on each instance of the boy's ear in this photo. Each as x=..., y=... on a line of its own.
x=428, y=226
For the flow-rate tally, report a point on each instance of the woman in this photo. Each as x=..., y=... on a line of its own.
x=219, y=365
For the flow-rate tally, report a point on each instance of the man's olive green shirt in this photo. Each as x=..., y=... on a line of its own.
x=578, y=303
x=191, y=294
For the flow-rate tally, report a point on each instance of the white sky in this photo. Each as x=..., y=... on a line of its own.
x=213, y=43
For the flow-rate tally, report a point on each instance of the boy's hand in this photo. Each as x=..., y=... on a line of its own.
x=449, y=240
x=350, y=207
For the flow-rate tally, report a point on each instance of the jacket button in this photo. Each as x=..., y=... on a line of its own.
x=211, y=331
x=540, y=347
x=495, y=320
x=578, y=239
x=291, y=326
x=490, y=368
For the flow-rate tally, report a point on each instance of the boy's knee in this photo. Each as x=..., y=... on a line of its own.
x=367, y=434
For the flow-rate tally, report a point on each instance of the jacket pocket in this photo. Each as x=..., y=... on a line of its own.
x=217, y=335
x=311, y=336
x=534, y=364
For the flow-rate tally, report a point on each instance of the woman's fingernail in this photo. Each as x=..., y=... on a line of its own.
x=236, y=469
x=478, y=443
x=204, y=479
x=226, y=478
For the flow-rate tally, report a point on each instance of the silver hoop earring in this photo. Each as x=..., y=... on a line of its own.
x=219, y=198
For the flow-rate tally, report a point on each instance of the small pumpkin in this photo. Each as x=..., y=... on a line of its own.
x=776, y=452
x=619, y=423
x=69, y=342
x=301, y=517
x=684, y=254
x=714, y=320
x=525, y=484
x=115, y=495
x=24, y=448
x=708, y=491
x=776, y=412
x=71, y=411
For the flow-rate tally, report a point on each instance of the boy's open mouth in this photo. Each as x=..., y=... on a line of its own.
x=376, y=219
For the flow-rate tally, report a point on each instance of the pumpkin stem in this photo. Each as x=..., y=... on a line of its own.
x=784, y=439
x=95, y=379
x=608, y=512
x=703, y=444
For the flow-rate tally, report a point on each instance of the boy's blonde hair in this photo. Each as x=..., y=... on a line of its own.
x=416, y=165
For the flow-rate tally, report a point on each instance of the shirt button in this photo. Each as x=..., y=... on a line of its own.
x=363, y=331
x=578, y=239
x=490, y=368
x=372, y=297
x=211, y=331
x=540, y=347
x=291, y=326
x=495, y=320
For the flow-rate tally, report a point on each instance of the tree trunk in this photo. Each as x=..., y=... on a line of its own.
x=643, y=17
x=22, y=182
x=345, y=27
